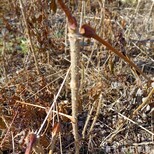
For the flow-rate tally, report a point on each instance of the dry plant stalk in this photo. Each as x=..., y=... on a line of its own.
x=87, y=121
x=74, y=48
x=96, y=115
x=29, y=35
x=98, y=104
x=74, y=52
x=8, y=129
x=55, y=132
x=145, y=102
x=57, y=112
x=4, y=60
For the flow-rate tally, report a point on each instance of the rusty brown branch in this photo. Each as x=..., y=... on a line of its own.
x=89, y=32
x=71, y=20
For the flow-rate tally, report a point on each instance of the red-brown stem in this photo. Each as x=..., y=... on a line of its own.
x=32, y=141
x=89, y=32
x=96, y=37
x=71, y=19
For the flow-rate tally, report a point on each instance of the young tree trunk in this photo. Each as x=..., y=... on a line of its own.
x=74, y=49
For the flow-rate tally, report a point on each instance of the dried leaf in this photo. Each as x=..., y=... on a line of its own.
x=63, y=108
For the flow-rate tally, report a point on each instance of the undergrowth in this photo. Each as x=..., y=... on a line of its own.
x=115, y=102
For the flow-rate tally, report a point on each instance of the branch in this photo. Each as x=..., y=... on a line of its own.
x=89, y=32
x=71, y=20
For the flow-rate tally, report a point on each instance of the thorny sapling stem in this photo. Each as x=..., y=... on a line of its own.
x=74, y=85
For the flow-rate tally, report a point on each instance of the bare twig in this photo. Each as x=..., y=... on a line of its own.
x=53, y=104
x=97, y=113
x=29, y=35
x=2, y=142
x=3, y=55
x=87, y=121
x=38, y=106
x=144, y=102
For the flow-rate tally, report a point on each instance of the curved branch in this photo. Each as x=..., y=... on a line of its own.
x=71, y=20
x=89, y=32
